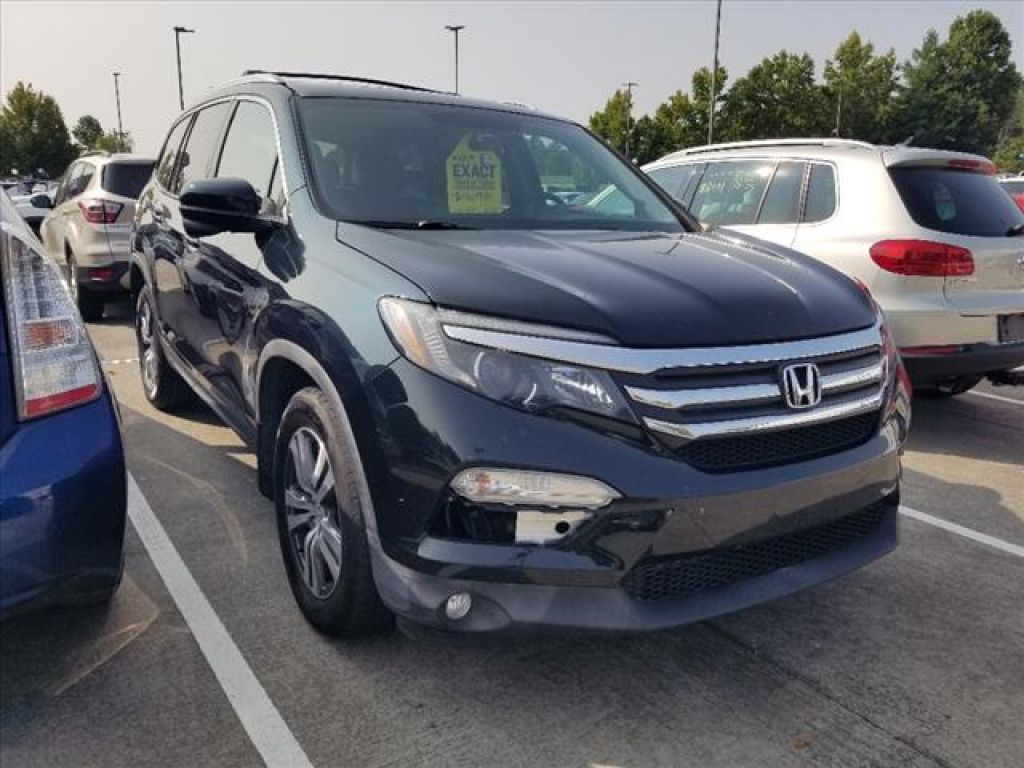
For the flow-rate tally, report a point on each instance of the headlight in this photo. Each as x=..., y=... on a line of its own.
x=530, y=383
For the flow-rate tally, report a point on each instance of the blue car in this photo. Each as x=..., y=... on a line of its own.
x=62, y=473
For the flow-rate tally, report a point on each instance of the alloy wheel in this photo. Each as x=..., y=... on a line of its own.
x=147, y=348
x=311, y=512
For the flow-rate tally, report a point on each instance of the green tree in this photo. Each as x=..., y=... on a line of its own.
x=859, y=87
x=111, y=142
x=777, y=98
x=683, y=118
x=1008, y=154
x=611, y=122
x=87, y=131
x=32, y=133
x=959, y=94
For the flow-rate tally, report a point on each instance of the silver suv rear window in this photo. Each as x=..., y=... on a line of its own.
x=955, y=201
x=126, y=179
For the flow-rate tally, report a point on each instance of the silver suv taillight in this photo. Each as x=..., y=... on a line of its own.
x=54, y=365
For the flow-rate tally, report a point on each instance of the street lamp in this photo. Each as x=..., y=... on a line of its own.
x=629, y=86
x=178, y=32
x=455, y=29
x=117, y=97
x=714, y=75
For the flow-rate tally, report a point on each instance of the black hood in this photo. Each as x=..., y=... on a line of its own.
x=649, y=290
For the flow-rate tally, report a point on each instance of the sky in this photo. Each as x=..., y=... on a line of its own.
x=562, y=57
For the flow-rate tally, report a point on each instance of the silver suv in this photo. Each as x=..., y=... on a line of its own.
x=930, y=232
x=89, y=226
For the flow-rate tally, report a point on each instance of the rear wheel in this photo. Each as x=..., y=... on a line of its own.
x=320, y=521
x=950, y=388
x=161, y=384
x=90, y=303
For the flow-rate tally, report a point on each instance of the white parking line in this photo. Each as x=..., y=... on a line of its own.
x=967, y=533
x=998, y=398
x=262, y=722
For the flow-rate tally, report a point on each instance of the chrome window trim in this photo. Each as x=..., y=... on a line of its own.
x=647, y=361
x=748, y=394
x=773, y=423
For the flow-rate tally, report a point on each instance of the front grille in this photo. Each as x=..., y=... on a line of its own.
x=766, y=449
x=665, y=578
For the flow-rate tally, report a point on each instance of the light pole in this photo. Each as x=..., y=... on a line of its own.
x=117, y=97
x=629, y=85
x=714, y=75
x=455, y=29
x=178, y=32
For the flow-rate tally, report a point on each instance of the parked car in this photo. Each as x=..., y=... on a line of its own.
x=62, y=495
x=33, y=208
x=1014, y=186
x=930, y=232
x=87, y=230
x=479, y=408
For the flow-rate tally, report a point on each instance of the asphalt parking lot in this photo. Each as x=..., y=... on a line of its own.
x=916, y=660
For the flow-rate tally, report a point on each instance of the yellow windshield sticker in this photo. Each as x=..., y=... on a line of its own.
x=474, y=180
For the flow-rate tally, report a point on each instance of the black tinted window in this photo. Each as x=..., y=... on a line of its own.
x=782, y=203
x=80, y=181
x=674, y=179
x=730, y=192
x=821, y=193
x=169, y=155
x=126, y=179
x=250, y=149
x=957, y=202
x=200, y=145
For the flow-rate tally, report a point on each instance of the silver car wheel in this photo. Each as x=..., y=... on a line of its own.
x=148, y=354
x=311, y=512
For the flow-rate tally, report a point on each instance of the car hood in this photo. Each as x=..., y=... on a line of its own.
x=645, y=290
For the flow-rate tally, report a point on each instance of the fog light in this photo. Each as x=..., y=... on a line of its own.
x=458, y=605
x=549, y=489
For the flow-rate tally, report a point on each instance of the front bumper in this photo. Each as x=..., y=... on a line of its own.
x=668, y=512
x=926, y=367
x=62, y=508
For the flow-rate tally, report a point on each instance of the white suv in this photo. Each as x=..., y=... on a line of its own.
x=930, y=232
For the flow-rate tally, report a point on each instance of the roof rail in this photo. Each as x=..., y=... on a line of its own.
x=91, y=152
x=825, y=142
x=342, y=78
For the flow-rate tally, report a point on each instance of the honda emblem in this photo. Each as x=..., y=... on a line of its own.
x=801, y=385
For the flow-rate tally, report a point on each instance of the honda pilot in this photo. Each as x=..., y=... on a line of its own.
x=478, y=406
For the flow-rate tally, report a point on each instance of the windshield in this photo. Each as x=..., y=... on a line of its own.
x=406, y=164
x=955, y=201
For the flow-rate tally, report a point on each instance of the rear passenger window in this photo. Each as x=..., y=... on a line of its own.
x=782, y=203
x=674, y=179
x=169, y=156
x=250, y=149
x=821, y=193
x=731, y=192
x=200, y=145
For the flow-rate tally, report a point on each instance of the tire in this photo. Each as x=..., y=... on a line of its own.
x=90, y=304
x=948, y=389
x=320, y=521
x=161, y=384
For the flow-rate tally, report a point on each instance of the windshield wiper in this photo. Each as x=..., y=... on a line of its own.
x=421, y=224
x=1015, y=231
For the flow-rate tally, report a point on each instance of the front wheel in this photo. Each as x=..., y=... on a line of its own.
x=320, y=521
x=161, y=384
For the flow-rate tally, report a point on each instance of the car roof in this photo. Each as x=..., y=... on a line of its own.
x=126, y=158
x=818, y=148
x=314, y=85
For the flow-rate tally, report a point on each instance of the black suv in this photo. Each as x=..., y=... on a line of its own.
x=479, y=406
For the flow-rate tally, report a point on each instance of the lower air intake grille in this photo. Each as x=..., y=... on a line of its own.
x=680, y=576
x=765, y=449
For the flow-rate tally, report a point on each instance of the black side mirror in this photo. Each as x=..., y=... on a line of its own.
x=212, y=206
x=41, y=201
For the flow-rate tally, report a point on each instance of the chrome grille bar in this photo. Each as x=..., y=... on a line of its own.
x=748, y=394
x=771, y=423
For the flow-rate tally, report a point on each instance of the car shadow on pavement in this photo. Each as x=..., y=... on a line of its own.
x=951, y=427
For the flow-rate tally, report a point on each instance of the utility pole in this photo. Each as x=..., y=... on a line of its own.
x=120, y=128
x=839, y=106
x=629, y=86
x=455, y=29
x=714, y=75
x=178, y=32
